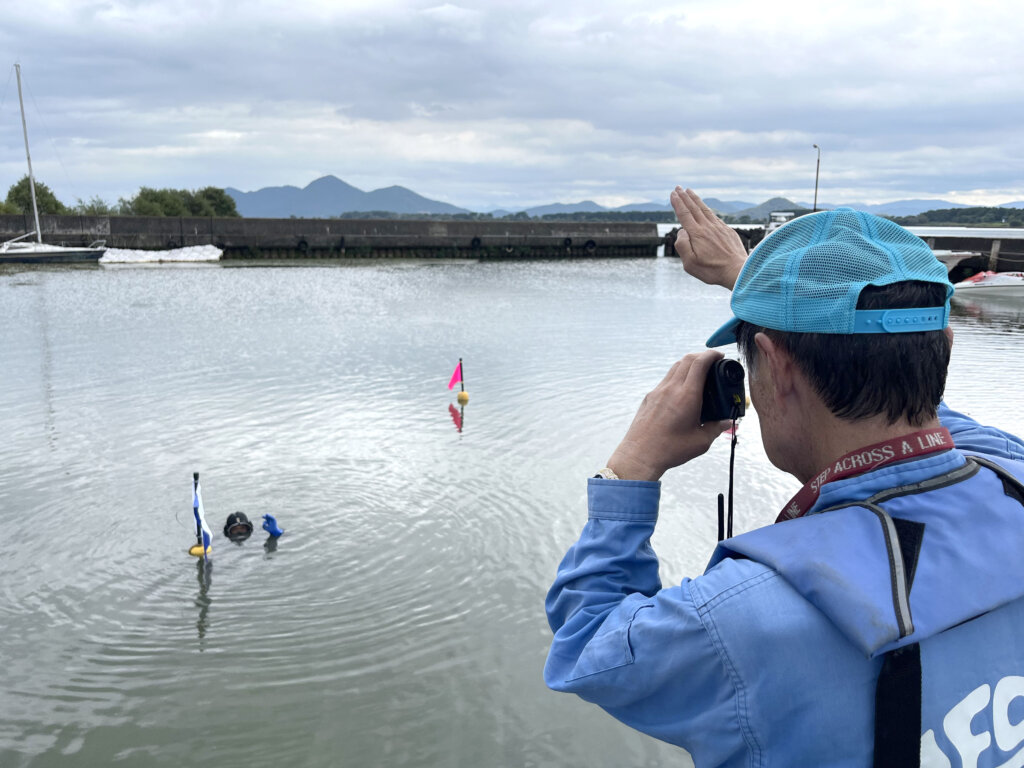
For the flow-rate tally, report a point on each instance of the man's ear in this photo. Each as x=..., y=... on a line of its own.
x=778, y=367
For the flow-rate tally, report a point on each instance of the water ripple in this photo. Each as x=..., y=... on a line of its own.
x=399, y=619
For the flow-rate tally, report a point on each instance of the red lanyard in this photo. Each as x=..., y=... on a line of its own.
x=911, y=446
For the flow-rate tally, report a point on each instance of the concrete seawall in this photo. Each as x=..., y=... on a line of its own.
x=964, y=250
x=350, y=238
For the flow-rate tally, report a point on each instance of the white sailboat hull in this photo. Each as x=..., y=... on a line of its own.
x=43, y=253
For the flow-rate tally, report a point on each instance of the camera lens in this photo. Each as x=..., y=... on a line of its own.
x=732, y=371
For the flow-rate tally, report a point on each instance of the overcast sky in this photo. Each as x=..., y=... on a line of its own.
x=512, y=104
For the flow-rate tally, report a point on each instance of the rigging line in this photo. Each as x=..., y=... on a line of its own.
x=49, y=138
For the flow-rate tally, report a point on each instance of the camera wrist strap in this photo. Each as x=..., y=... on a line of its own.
x=724, y=529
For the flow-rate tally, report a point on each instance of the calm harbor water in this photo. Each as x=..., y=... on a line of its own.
x=399, y=621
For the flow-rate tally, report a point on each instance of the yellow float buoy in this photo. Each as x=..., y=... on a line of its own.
x=196, y=550
x=462, y=397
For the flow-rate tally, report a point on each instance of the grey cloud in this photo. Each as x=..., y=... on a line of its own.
x=643, y=82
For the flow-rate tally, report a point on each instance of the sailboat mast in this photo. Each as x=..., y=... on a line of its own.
x=31, y=178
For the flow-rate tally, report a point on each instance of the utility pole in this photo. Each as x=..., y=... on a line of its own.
x=817, y=168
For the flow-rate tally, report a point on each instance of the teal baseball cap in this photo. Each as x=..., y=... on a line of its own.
x=807, y=275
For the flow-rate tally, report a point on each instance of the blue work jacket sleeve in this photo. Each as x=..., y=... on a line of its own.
x=621, y=641
x=972, y=437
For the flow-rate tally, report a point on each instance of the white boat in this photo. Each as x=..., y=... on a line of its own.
x=996, y=284
x=24, y=251
x=21, y=251
x=776, y=219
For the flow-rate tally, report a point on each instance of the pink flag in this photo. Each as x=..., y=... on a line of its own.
x=456, y=376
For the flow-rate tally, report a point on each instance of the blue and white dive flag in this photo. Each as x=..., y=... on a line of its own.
x=203, y=534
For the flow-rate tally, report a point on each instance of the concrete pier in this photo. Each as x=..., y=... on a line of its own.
x=241, y=238
x=964, y=250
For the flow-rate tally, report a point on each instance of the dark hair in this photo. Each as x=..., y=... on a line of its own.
x=899, y=375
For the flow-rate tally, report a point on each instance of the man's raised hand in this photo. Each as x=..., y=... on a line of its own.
x=710, y=249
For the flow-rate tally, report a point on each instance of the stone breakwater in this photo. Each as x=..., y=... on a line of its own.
x=241, y=238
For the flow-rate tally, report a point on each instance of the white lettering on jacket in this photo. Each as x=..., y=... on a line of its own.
x=970, y=745
x=957, y=725
x=1008, y=735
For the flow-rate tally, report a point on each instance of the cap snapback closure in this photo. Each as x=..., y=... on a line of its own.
x=900, y=320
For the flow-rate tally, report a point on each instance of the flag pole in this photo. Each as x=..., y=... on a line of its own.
x=463, y=396
x=195, y=509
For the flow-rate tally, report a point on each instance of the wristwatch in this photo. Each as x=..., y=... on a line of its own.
x=607, y=474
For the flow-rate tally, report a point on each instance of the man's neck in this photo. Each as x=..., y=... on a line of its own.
x=833, y=438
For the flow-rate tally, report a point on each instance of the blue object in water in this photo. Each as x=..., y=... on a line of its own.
x=270, y=526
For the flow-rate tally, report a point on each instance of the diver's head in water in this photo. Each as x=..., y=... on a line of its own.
x=238, y=527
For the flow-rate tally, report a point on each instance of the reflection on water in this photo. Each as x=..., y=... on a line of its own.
x=400, y=620
x=997, y=312
x=458, y=416
x=204, y=575
x=986, y=366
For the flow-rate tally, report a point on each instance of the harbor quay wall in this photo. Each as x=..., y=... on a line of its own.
x=964, y=250
x=246, y=238
x=966, y=254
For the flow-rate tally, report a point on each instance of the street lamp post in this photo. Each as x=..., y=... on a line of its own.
x=817, y=168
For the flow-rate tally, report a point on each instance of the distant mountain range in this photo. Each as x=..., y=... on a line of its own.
x=330, y=196
x=726, y=206
x=760, y=212
x=894, y=208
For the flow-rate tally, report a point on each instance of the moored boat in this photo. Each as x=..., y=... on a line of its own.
x=1002, y=284
x=23, y=251
x=28, y=252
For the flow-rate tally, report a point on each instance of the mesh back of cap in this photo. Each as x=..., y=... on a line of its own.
x=807, y=275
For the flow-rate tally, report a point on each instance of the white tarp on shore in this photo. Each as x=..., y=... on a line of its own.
x=191, y=253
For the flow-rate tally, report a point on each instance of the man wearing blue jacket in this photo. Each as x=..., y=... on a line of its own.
x=880, y=621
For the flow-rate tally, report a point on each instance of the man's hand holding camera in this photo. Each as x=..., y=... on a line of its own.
x=666, y=431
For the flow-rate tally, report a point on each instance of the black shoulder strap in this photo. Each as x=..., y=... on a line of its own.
x=1012, y=487
x=898, y=690
x=898, y=709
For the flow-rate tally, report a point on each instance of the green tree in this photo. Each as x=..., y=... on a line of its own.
x=219, y=201
x=157, y=202
x=96, y=206
x=20, y=196
x=977, y=216
x=209, y=201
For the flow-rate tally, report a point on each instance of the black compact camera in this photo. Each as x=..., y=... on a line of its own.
x=724, y=396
